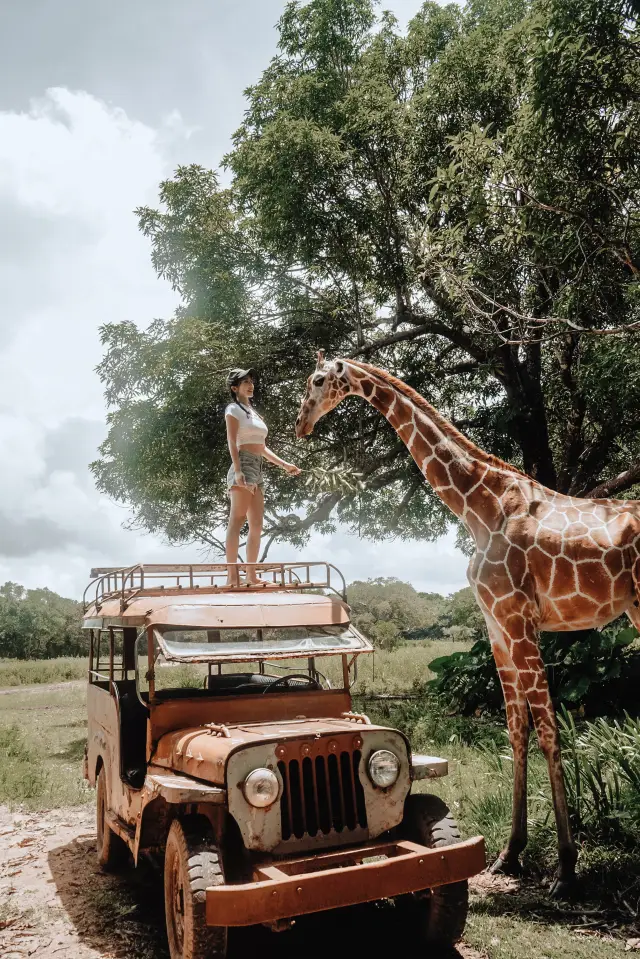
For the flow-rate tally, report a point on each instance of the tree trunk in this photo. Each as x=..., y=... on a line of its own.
x=521, y=379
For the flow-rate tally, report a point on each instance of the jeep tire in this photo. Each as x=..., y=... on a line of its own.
x=438, y=918
x=192, y=863
x=113, y=851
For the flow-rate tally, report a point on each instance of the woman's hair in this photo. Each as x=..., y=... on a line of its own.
x=247, y=408
x=234, y=394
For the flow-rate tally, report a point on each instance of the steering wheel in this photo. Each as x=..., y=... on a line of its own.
x=282, y=680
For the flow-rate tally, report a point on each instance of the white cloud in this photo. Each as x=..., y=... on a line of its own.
x=72, y=170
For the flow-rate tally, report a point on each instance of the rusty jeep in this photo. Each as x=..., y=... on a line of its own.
x=222, y=743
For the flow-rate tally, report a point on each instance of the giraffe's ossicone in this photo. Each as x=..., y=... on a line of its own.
x=542, y=561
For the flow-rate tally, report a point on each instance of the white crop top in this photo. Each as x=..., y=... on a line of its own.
x=251, y=428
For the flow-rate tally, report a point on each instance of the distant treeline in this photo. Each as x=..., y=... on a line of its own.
x=389, y=611
x=39, y=624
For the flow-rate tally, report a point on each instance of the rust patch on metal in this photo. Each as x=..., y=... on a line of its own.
x=300, y=886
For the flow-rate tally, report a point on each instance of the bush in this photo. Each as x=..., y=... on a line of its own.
x=602, y=775
x=426, y=722
x=468, y=680
x=25, y=672
x=591, y=670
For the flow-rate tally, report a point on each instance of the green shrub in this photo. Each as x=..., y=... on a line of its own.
x=426, y=721
x=592, y=669
x=30, y=672
x=602, y=774
x=468, y=680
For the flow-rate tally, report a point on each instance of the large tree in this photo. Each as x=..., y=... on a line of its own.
x=458, y=204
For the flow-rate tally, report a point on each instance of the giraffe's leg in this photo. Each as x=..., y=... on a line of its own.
x=533, y=678
x=508, y=861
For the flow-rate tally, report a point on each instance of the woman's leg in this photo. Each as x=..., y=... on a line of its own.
x=240, y=500
x=255, y=516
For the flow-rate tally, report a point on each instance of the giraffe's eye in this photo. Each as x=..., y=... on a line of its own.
x=339, y=368
x=318, y=381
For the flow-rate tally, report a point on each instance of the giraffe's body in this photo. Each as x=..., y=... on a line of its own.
x=543, y=561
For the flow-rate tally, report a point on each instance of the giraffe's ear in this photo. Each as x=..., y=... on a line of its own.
x=320, y=360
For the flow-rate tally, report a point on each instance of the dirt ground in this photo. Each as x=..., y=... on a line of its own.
x=42, y=687
x=56, y=904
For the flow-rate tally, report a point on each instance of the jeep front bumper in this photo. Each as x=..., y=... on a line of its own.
x=330, y=880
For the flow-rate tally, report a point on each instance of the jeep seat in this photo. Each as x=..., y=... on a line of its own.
x=226, y=684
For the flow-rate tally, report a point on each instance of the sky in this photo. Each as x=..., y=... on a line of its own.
x=99, y=103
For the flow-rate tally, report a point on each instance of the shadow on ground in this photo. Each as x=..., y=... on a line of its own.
x=123, y=916
x=600, y=905
x=74, y=750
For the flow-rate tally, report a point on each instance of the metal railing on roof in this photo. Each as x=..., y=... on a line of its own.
x=128, y=582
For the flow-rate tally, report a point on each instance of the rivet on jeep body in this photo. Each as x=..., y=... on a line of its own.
x=333, y=746
x=281, y=752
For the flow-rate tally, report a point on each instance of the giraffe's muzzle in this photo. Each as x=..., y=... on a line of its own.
x=304, y=426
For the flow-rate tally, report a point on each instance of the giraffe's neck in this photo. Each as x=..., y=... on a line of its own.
x=450, y=463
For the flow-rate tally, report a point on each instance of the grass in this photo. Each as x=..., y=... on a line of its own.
x=398, y=670
x=31, y=672
x=500, y=927
x=42, y=737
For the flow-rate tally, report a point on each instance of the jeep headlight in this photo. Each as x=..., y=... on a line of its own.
x=384, y=768
x=261, y=788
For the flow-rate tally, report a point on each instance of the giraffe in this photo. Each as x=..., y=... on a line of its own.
x=542, y=561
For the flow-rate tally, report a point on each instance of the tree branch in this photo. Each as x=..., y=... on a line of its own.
x=388, y=340
x=428, y=325
x=616, y=485
x=408, y=496
x=297, y=525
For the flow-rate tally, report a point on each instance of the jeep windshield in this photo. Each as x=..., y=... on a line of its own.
x=215, y=645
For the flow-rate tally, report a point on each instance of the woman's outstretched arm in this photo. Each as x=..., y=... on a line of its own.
x=273, y=458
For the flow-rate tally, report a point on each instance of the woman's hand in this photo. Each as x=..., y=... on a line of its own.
x=240, y=479
x=291, y=469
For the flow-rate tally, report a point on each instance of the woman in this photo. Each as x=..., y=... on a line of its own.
x=246, y=436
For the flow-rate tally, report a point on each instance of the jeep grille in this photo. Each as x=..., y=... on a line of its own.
x=322, y=794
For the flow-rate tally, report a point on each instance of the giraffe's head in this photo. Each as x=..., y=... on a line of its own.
x=328, y=384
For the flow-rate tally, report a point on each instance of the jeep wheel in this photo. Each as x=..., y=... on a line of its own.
x=440, y=917
x=191, y=864
x=113, y=851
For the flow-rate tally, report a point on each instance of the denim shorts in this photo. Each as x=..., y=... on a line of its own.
x=251, y=465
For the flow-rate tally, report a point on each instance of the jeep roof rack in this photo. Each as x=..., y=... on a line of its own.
x=159, y=579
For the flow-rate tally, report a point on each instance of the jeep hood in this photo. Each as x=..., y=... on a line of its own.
x=202, y=752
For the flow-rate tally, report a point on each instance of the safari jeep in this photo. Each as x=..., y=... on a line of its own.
x=221, y=736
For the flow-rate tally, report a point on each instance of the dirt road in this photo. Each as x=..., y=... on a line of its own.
x=56, y=904
x=43, y=687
